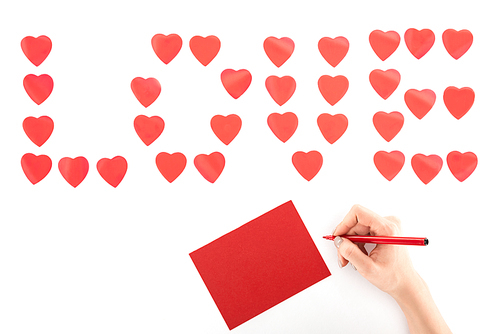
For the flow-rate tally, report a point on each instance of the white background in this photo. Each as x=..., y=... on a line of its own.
x=96, y=259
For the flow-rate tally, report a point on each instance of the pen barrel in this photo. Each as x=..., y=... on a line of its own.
x=410, y=241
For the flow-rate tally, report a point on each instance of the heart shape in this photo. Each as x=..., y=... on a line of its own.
x=210, y=166
x=283, y=126
x=278, y=50
x=333, y=49
x=112, y=170
x=39, y=87
x=38, y=129
x=389, y=164
x=74, y=170
x=307, y=164
x=204, y=48
x=384, y=43
x=146, y=91
x=457, y=43
x=333, y=89
x=420, y=102
x=385, y=82
x=236, y=82
x=36, y=49
x=35, y=167
x=332, y=127
x=461, y=164
x=458, y=100
x=170, y=165
x=226, y=128
x=166, y=47
x=280, y=89
x=419, y=42
x=426, y=167
x=148, y=128
x=388, y=125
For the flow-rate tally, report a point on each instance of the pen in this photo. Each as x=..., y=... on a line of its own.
x=370, y=239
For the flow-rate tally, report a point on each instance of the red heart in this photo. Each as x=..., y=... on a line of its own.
x=426, y=167
x=36, y=49
x=461, y=164
x=146, y=90
x=389, y=164
x=278, y=50
x=38, y=129
x=210, y=166
x=112, y=170
x=332, y=126
x=333, y=89
x=236, y=82
x=333, y=49
x=419, y=42
x=458, y=101
x=283, y=126
x=384, y=43
x=74, y=170
x=204, y=48
x=166, y=47
x=35, y=167
x=385, y=82
x=148, y=128
x=457, y=42
x=170, y=165
x=420, y=102
x=388, y=125
x=38, y=87
x=226, y=128
x=280, y=89
x=307, y=164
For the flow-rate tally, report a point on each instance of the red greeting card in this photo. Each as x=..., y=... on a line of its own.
x=260, y=264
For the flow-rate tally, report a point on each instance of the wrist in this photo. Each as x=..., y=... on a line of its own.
x=419, y=308
x=412, y=291
x=415, y=298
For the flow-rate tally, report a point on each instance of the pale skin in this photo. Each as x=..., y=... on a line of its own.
x=389, y=268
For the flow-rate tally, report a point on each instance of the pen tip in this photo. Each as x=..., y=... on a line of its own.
x=328, y=237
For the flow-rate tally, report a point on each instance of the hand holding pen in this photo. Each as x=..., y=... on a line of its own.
x=388, y=267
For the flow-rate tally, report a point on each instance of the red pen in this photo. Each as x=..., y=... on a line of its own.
x=371, y=239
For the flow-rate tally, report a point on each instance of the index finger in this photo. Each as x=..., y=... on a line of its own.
x=363, y=219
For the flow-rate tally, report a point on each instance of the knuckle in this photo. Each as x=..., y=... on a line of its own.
x=357, y=208
x=393, y=224
x=394, y=220
x=348, y=250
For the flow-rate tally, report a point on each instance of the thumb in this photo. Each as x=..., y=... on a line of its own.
x=353, y=254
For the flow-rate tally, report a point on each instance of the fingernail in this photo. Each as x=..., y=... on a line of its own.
x=353, y=267
x=340, y=264
x=337, y=241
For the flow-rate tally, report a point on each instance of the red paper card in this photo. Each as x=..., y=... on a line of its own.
x=260, y=264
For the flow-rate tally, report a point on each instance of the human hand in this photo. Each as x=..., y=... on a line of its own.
x=388, y=267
